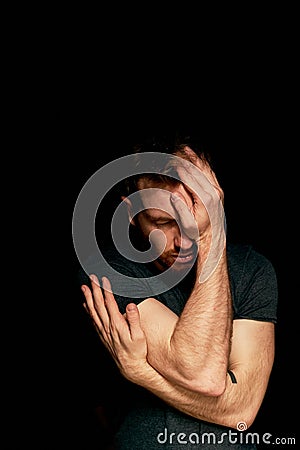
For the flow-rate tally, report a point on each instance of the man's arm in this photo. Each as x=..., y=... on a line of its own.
x=251, y=358
x=195, y=353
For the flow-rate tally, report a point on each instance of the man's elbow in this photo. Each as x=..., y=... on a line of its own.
x=204, y=381
x=242, y=420
x=207, y=384
x=210, y=388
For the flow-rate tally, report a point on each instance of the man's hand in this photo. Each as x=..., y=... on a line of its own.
x=121, y=334
x=208, y=197
x=201, y=183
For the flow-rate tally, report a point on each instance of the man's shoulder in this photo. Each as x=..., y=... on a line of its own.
x=240, y=255
x=128, y=278
x=238, y=250
x=245, y=264
x=253, y=282
x=109, y=255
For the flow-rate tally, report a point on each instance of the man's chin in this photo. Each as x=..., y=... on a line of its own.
x=175, y=264
x=182, y=267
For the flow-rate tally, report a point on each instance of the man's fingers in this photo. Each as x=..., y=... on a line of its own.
x=117, y=322
x=195, y=181
x=90, y=307
x=200, y=179
x=202, y=164
x=192, y=156
x=187, y=219
x=110, y=302
x=110, y=323
x=126, y=329
x=98, y=301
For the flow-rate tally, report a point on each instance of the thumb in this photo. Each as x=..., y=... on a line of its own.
x=134, y=321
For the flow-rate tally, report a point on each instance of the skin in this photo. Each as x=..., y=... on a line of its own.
x=165, y=220
x=185, y=360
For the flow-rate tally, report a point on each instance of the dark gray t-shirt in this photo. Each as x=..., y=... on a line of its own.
x=143, y=421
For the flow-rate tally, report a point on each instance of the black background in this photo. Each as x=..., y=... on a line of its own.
x=236, y=88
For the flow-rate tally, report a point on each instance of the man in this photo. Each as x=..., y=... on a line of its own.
x=190, y=327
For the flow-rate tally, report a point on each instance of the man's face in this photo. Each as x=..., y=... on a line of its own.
x=165, y=218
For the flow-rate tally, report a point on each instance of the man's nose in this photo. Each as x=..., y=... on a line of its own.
x=183, y=241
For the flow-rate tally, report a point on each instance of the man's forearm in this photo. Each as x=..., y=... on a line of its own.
x=196, y=353
x=227, y=409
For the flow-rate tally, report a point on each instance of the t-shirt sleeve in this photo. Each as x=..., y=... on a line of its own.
x=256, y=291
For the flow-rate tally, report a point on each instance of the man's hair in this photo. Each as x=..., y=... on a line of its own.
x=163, y=144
